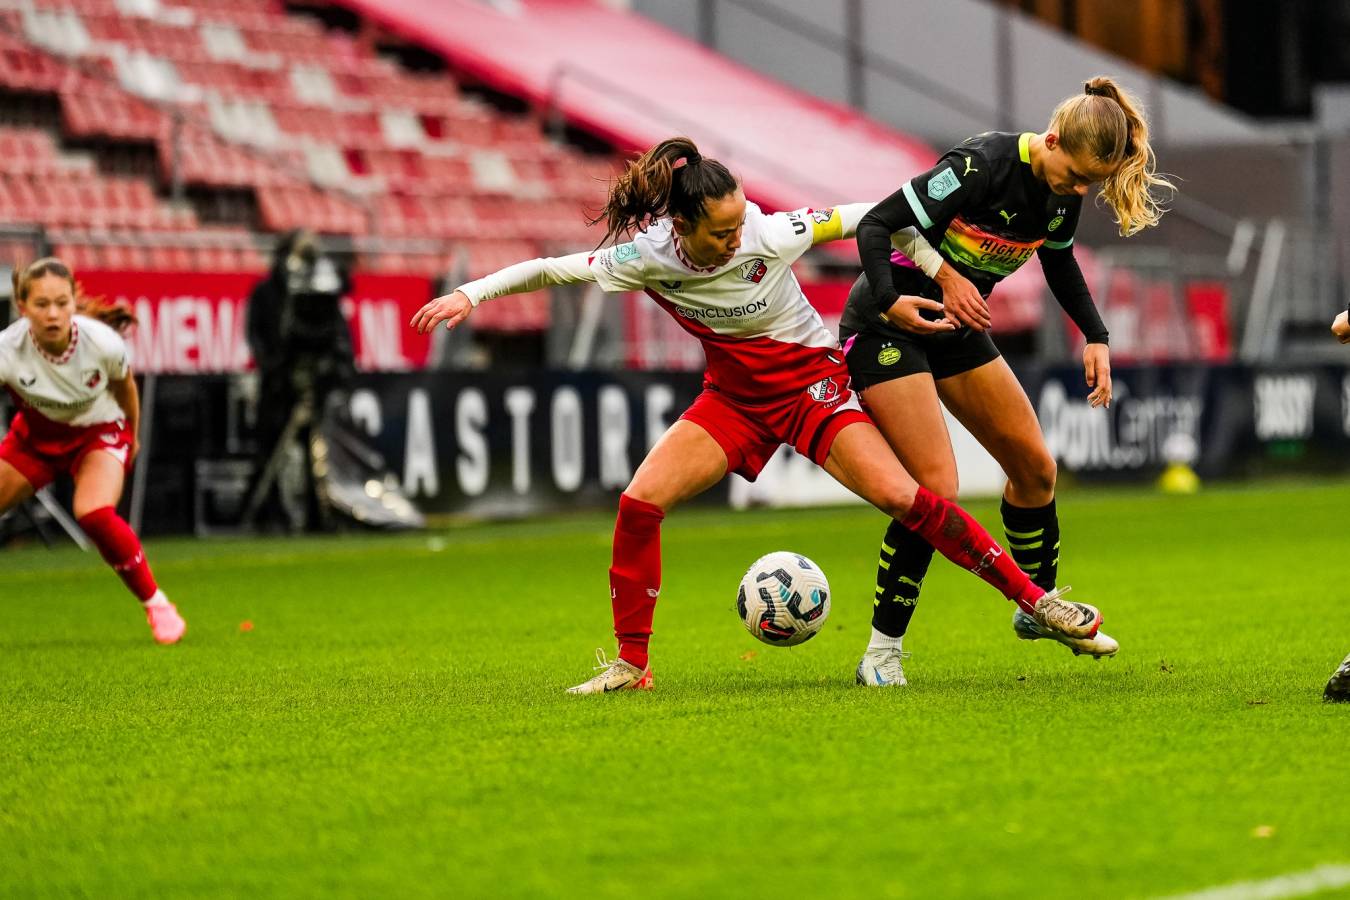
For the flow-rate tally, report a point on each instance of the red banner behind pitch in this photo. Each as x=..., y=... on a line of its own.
x=194, y=322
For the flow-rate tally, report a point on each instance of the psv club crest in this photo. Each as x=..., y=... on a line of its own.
x=754, y=270
x=92, y=378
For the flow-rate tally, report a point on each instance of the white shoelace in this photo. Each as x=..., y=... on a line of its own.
x=893, y=666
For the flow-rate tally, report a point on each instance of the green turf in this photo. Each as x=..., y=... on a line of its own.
x=394, y=725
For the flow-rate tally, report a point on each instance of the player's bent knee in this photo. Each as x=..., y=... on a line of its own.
x=897, y=502
x=946, y=488
x=1038, y=475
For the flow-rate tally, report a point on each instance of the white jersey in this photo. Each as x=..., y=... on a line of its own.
x=762, y=338
x=71, y=389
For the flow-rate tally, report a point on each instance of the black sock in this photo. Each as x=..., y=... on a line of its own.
x=904, y=562
x=1033, y=541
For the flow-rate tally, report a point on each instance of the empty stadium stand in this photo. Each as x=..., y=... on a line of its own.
x=312, y=126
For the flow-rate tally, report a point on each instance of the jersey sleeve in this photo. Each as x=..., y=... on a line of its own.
x=787, y=235
x=1062, y=227
x=958, y=181
x=110, y=350
x=619, y=268
x=116, y=360
x=613, y=268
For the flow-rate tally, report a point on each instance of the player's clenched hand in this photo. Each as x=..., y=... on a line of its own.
x=904, y=313
x=1097, y=371
x=961, y=300
x=1341, y=328
x=450, y=309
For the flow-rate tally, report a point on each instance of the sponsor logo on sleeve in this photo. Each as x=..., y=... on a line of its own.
x=943, y=184
x=624, y=252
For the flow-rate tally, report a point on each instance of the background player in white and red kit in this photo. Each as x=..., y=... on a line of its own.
x=78, y=414
x=774, y=375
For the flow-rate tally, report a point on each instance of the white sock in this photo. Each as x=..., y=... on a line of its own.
x=884, y=641
x=158, y=599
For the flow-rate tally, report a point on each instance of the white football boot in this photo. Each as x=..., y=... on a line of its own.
x=1338, y=688
x=1100, y=644
x=882, y=668
x=616, y=675
x=1075, y=620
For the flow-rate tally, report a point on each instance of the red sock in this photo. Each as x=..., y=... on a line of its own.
x=121, y=549
x=962, y=540
x=635, y=576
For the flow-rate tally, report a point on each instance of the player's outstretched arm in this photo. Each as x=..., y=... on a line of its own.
x=520, y=278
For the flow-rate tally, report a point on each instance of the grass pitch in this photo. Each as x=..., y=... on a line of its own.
x=393, y=724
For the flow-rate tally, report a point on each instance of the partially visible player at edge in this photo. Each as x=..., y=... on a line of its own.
x=78, y=414
x=1338, y=688
x=987, y=206
x=774, y=375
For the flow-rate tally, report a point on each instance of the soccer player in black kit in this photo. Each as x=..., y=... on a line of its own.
x=987, y=206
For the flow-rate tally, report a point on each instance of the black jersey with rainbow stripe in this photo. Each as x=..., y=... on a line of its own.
x=983, y=210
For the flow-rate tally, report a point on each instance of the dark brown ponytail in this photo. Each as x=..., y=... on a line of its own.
x=670, y=179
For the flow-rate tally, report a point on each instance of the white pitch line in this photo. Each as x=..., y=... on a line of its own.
x=1295, y=884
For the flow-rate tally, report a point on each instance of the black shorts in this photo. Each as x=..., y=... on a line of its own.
x=875, y=356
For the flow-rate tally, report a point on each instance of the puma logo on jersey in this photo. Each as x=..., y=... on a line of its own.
x=1007, y=218
x=754, y=270
x=969, y=167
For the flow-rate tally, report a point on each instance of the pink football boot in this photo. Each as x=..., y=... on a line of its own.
x=165, y=623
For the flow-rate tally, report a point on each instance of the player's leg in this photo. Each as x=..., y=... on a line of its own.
x=991, y=404
x=14, y=487
x=907, y=412
x=686, y=461
x=861, y=460
x=99, y=477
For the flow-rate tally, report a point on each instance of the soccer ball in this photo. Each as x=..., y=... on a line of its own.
x=783, y=599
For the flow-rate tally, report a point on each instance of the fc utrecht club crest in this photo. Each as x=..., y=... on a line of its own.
x=824, y=390
x=92, y=378
x=754, y=270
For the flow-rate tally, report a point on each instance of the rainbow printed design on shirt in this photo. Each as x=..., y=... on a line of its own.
x=976, y=248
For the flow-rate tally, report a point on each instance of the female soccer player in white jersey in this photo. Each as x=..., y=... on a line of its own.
x=988, y=205
x=78, y=412
x=774, y=375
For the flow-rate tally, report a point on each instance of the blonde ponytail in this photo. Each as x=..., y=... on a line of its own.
x=1106, y=124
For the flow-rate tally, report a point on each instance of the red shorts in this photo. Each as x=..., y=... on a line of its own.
x=40, y=454
x=749, y=433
